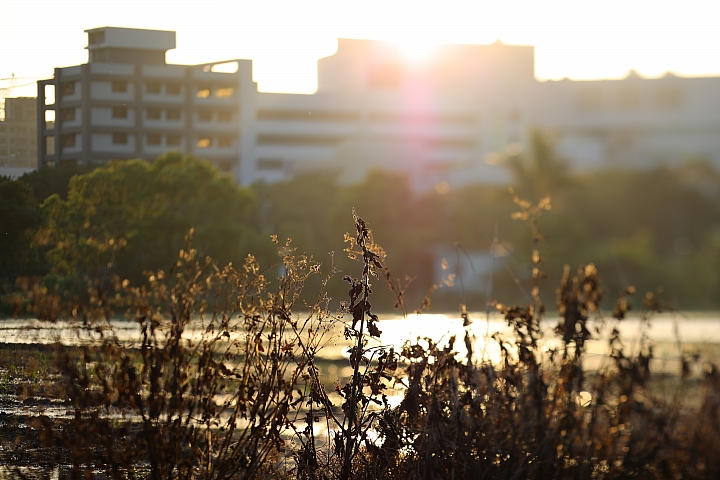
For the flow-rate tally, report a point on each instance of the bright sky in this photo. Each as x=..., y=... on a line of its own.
x=581, y=39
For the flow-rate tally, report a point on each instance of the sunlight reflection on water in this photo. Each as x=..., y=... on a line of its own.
x=691, y=329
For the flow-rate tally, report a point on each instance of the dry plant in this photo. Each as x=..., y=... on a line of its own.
x=538, y=413
x=211, y=391
x=224, y=384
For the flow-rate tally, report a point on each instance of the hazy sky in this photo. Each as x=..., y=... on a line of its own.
x=573, y=38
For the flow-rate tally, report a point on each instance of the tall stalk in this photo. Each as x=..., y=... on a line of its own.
x=350, y=432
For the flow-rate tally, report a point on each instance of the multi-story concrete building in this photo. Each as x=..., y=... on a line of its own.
x=18, y=146
x=453, y=119
x=126, y=102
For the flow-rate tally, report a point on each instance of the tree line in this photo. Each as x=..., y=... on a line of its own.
x=647, y=228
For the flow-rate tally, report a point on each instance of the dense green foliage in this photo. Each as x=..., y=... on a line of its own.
x=135, y=214
x=648, y=228
x=20, y=218
x=55, y=179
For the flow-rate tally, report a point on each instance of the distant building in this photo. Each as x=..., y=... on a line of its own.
x=18, y=146
x=632, y=122
x=450, y=121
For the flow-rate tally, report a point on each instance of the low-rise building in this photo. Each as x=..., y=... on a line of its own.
x=18, y=146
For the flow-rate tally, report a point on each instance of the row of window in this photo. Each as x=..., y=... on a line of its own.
x=352, y=116
x=18, y=152
x=627, y=98
x=224, y=116
x=16, y=140
x=19, y=130
x=122, y=138
x=155, y=88
x=331, y=140
x=116, y=86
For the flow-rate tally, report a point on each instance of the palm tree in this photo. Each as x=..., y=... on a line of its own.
x=542, y=172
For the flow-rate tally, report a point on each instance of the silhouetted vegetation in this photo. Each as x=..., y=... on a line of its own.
x=225, y=383
x=54, y=179
x=20, y=219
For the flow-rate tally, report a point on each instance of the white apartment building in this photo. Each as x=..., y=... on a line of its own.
x=126, y=102
x=454, y=118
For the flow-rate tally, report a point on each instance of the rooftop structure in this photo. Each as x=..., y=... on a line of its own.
x=129, y=45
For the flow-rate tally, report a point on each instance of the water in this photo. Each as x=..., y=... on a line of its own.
x=696, y=332
x=670, y=335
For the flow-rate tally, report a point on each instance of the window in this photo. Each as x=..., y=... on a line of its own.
x=270, y=164
x=225, y=141
x=224, y=92
x=95, y=38
x=154, y=114
x=290, y=139
x=225, y=116
x=173, y=89
x=67, y=114
x=307, y=115
x=154, y=139
x=629, y=98
x=67, y=140
x=173, y=114
x=49, y=93
x=119, y=138
x=203, y=92
x=205, y=115
x=119, y=112
x=49, y=119
x=67, y=88
x=589, y=98
x=99, y=56
x=153, y=88
x=119, y=86
x=173, y=139
x=203, y=142
x=668, y=97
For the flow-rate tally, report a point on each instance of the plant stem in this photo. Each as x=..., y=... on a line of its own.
x=355, y=388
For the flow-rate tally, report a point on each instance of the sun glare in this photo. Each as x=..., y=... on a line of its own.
x=417, y=50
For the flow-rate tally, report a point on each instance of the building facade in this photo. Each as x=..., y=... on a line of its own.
x=18, y=146
x=453, y=119
x=126, y=102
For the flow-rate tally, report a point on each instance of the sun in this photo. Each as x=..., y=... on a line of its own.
x=416, y=50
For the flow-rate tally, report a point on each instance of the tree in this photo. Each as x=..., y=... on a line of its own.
x=135, y=214
x=19, y=217
x=299, y=209
x=48, y=180
x=541, y=173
